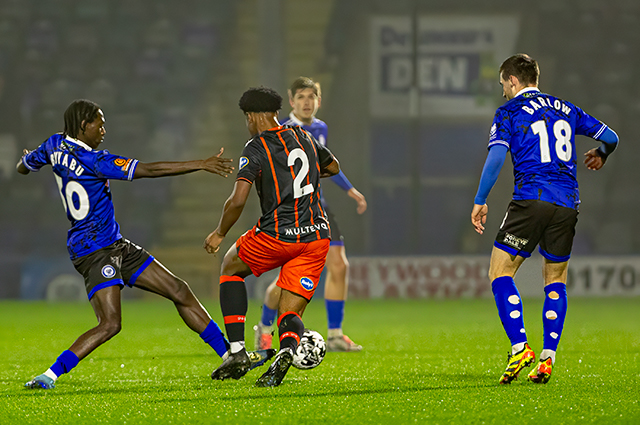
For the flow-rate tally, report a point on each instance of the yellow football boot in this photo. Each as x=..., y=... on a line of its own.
x=521, y=359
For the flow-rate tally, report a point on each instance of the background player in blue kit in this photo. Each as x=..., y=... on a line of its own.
x=305, y=98
x=539, y=130
x=98, y=251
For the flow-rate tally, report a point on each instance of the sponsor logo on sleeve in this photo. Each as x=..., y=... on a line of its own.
x=108, y=271
x=123, y=163
x=243, y=162
x=306, y=283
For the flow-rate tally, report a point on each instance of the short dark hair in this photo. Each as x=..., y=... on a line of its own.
x=521, y=66
x=78, y=111
x=260, y=99
x=302, y=83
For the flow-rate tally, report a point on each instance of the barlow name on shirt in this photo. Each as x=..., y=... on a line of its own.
x=546, y=103
x=306, y=229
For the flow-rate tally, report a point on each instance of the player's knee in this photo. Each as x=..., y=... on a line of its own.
x=182, y=293
x=339, y=268
x=110, y=328
x=229, y=265
x=492, y=275
x=495, y=272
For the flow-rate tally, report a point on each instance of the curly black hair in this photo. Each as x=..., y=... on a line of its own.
x=260, y=99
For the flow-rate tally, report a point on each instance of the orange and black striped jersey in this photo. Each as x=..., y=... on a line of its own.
x=284, y=163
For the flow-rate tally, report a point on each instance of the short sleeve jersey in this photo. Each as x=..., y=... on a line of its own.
x=285, y=163
x=83, y=177
x=540, y=130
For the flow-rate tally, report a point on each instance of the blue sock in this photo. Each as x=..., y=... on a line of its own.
x=268, y=316
x=510, y=310
x=65, y=362
x=213, y=336
x=553, y=313
x=335, y=313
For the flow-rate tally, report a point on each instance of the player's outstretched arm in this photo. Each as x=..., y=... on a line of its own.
x=232, y=209
x=214, y=164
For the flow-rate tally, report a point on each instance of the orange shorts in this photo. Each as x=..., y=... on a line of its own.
x=301, y=263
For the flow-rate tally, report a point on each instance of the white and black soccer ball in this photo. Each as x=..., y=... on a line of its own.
x=310, y=351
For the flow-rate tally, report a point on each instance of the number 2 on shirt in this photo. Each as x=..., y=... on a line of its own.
x=562, y=133
x=298, y=189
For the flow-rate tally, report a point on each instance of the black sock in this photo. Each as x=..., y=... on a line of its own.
x=291, y=328
x=233, y=301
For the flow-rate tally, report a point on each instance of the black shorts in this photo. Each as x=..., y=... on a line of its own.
x=532, y=222
x=117, y=264
x=336, y=235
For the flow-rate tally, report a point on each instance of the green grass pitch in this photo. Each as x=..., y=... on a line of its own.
x=423, y=362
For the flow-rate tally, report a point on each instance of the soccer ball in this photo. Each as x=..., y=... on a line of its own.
x=310, y=351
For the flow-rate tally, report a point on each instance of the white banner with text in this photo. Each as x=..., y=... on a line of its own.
x=466, y=277
x=448, y=66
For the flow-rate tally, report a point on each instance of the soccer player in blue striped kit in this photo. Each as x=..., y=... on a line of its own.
x=106, y=260
x=539, y=130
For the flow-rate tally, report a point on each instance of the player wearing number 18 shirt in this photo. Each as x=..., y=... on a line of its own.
x=285, y=164
x=105, y=259
x=539, y=130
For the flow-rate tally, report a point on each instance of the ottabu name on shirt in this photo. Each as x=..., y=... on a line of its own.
x=306, y=229
x=542, y=102
x=63, y=159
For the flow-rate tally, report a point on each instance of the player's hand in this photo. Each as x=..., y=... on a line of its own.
x=593, y=160
x=20, y=167
x=479, y=217
x=213, y=241
x=218, y=165
x=359, y=198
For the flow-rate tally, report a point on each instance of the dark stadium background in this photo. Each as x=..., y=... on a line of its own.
x=168, y=75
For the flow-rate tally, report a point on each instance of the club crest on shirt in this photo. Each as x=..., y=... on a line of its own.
x=108, y=271
x=306, y=283
x=243, y=162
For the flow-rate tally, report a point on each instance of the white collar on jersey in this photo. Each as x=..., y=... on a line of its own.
x=295, y=119
x=79, y=143
x=526, y=89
